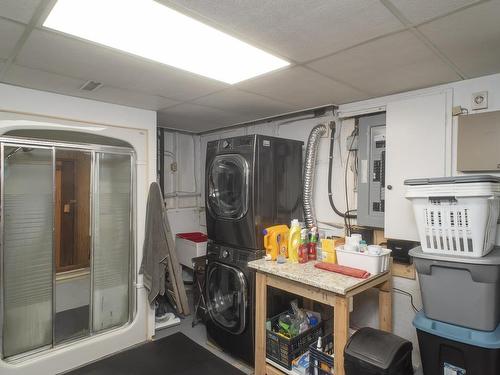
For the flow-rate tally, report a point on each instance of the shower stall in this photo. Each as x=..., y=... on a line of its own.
x=67, y=239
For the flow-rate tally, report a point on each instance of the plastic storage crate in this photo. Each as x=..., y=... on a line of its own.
x=189, y=246
x=374, y=264
x=321, y=361
x=456, y=215
x=449, y=349
x=460, y=290
x=283, y=350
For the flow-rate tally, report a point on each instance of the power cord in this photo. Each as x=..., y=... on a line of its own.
x=405, y=293
x=344, y=215
x=347, y=215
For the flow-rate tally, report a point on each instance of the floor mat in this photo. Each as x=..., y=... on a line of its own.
x=173, y=355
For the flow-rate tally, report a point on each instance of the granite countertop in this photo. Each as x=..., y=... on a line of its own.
x=307, y=274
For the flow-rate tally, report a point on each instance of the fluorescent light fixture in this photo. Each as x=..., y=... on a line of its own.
x=151, y=30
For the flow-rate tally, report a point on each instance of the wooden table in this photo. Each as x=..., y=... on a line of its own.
x=318, y=285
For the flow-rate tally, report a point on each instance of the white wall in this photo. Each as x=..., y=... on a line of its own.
x=37, y=109
x=183, y=186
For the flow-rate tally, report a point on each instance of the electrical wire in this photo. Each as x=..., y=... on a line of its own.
x=347, y=215
x=405, y=293
x=330, y=170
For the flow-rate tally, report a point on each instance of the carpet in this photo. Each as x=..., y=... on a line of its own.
x=172, y=355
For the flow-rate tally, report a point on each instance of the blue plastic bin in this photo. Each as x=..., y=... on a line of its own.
x=449, y=349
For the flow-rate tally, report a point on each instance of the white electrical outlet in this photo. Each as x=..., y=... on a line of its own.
x=479, y=100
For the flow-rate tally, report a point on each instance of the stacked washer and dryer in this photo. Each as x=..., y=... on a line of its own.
x=251, y=182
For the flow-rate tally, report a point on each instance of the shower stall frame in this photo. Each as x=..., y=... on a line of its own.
x=94, y=150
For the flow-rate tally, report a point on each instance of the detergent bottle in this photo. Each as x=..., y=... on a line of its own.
x=276, y=240
x=294, y=241
x=303, y=249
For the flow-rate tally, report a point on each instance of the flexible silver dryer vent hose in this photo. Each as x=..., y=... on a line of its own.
x=309, y=165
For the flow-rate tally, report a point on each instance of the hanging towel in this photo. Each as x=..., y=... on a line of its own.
x=155, y=249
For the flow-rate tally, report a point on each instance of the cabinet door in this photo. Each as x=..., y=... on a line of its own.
x=416, y=147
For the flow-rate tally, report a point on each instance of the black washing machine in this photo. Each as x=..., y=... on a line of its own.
x=251, y=182
x=230, y=296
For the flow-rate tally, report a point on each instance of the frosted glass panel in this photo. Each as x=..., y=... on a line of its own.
x=112, y=241
x=27, y=252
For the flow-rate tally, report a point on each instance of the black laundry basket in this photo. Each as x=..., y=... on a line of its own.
x=371, y=351
x=283, y=350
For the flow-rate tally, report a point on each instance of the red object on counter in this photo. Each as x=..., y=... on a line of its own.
x=344, y=270
x=311, y=250
x=303, y=253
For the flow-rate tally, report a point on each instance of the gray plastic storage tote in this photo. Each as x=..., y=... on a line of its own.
x=459, y=290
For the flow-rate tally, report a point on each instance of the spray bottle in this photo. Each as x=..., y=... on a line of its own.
x=303, y=252
x=311, y=246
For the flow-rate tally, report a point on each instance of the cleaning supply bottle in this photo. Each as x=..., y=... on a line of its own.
x=294, y=241
x=311, y=246
x=363, y=247
x=319, y=347
x=276, y=240
x=303, y=252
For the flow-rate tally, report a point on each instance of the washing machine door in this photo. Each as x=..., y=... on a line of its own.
x=228, y=187
x=227, y=297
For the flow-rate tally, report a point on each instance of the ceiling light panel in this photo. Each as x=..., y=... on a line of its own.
x=151, y=30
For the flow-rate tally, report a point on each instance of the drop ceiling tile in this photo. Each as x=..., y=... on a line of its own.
x=297, y=29
x=18, y=10
x=302, y=87
x=470, y=38
x=40, y=80
x=197, y=118
x=395, y=63
x=10, y=32
x=87, y=61
x=241, y=102
x=130, y=98
x=423, y=10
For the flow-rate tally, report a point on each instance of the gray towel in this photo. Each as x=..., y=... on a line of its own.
x=155, y=249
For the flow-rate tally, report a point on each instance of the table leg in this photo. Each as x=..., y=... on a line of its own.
x=385, y=306
x=260, y=323
x=340, y=331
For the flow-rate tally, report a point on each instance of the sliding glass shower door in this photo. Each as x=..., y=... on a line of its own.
x=66, y=242
x=112, y=240
x=28, y=266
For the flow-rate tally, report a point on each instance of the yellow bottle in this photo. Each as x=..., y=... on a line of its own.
x=275, y=239
x=294, y=241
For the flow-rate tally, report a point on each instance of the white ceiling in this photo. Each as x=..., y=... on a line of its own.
x=340, y=50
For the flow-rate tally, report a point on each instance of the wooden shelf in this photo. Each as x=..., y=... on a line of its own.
x=403, y=270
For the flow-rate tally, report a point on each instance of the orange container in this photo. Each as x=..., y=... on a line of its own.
x=276, y=239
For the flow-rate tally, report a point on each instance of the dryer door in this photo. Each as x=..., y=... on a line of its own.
x=228, y=187
x=227, y=297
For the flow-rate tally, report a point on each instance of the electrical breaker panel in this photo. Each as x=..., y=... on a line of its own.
x=371, y=179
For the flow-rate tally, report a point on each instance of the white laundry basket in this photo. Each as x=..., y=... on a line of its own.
x=456, y=215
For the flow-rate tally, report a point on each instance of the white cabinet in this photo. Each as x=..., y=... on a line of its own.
x=416, y=147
